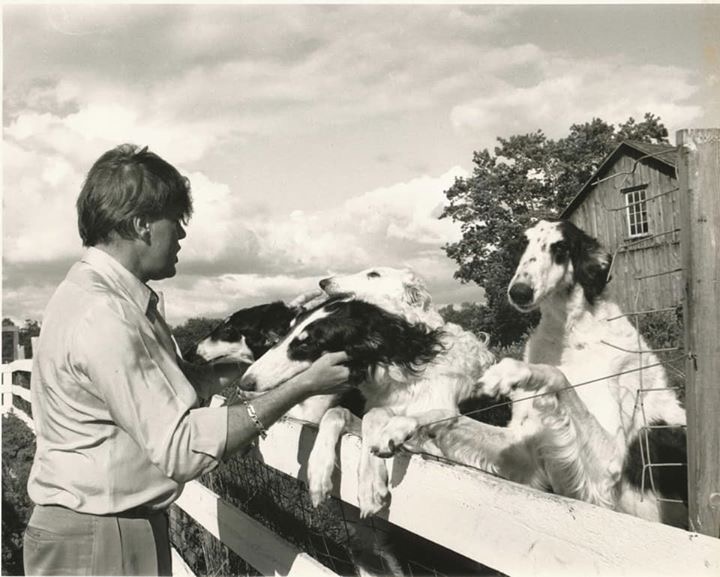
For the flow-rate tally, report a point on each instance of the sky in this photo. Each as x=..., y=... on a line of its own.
x=318, y=139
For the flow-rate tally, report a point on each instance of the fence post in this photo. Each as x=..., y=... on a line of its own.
x=699, y=175
x=7, y=396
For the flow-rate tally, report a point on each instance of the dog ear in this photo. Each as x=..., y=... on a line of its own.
x=414, y=345
x=591, y=265
x=415, y=293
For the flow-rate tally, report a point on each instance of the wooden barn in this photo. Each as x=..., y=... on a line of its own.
x=631, y=206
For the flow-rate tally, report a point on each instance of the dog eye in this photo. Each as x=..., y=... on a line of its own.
x=560, y=251
x=272, y=339
x=373, y=274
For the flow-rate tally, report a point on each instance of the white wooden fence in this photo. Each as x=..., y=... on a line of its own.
x=507, y=526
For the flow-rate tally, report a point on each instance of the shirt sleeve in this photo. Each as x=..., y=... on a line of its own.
x=149, y=397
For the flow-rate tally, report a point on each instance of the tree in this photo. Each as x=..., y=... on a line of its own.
x=528, y=177
x=192, y=331
x=27, y=332
x=470, y=316
x=18, y=449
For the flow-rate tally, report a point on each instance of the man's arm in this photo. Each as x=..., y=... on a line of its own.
x=326, y=375
x=150, y=398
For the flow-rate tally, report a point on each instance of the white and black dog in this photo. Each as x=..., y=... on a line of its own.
x=583, y=442
x=245, y=335
x=248, y=333
x=410, y=366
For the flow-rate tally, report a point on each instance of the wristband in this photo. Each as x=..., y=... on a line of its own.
x=254, y=418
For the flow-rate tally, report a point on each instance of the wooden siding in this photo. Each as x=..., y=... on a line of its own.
x=603, y=214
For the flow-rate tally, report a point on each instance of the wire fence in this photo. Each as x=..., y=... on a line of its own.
x=662, y=326
x=333, y=534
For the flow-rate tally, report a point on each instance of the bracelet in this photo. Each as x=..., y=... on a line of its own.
x=254, y=418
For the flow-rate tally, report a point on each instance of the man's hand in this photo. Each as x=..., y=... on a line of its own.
x=326, y=375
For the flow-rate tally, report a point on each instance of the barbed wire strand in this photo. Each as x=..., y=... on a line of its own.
x=554, y=391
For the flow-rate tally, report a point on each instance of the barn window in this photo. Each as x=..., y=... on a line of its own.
x=636, y=210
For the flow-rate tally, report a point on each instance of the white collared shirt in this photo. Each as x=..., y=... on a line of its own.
x=118, y=424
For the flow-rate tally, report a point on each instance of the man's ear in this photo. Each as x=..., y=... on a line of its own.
x=141, y=226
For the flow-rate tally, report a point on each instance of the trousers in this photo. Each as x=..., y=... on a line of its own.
x=59, y=541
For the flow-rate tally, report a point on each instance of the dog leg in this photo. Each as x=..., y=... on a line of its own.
x=321, y=463
x=567, y=416
x=401, y=431
x=373, y=490
x=580, y=457
x=498, y=450
x=572, y=463
x=504, y=377
x=550, y=382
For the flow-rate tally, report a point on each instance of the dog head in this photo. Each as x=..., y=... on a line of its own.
x=558, y=256
x=246, y=334
x=394, y=289
x=370, y=335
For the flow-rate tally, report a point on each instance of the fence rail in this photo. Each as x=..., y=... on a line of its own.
x=507, y=526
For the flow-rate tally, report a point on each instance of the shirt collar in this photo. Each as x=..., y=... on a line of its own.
x=122, y=279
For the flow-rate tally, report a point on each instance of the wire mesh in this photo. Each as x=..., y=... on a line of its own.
x=333, y=534
x=662, y=326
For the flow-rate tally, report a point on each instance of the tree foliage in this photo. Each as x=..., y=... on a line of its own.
x=470, y=316
x=30, y=329
x=193, y=330
x=18, y=448
x=526, y=178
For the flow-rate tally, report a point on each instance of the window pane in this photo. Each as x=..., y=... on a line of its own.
x=636, y=212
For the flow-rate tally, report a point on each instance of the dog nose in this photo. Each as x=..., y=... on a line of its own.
x=248, y=383
x=324, y=283
x=521, y=293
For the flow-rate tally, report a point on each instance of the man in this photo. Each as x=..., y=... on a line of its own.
x=117, y=414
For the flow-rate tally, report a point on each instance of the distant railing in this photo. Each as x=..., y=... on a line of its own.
x=9, y=390
x=501, y=524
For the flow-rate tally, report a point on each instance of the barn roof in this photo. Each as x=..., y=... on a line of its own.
x=663, y=155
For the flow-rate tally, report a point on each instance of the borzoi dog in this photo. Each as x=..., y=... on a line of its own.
x=245, y=335
x=409, y=371
x=249, y=333
x=582, y=442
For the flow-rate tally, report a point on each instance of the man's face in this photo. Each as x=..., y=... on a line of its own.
x=161, y=256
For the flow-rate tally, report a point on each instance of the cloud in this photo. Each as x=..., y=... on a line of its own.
x=384, y=226
x=261, y=69
x=46, y=157
x=393, y=226
x=232, y=254
x=38, y=216
x=571, y=90
x=277, y=114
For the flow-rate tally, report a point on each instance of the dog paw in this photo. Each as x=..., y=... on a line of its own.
x=502, y=378
x=320, y=470
x=319, y=487
x=372, y=503
x=374, y=494
x=392, y=437
x=546, y=402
